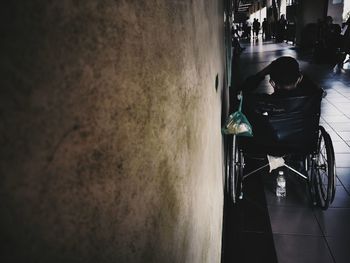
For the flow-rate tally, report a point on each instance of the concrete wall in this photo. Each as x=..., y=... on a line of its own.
x=111, y=148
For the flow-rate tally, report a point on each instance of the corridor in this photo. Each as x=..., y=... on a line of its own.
x=263, y=228
x=112, y=150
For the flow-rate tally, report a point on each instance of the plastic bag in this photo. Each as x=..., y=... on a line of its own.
x=238, y=124
x=275, y=162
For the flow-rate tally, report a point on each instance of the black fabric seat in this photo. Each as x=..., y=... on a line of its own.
x=281, y=125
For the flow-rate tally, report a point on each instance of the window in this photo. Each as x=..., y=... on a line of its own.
x=346, y=12
x=291, y=2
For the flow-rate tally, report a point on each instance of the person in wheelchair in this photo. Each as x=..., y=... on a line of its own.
x=285, y=124
x=283, y=117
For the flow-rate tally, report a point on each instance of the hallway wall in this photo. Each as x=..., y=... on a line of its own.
x=111, y=148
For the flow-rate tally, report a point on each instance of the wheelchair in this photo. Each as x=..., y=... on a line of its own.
x=285, y=127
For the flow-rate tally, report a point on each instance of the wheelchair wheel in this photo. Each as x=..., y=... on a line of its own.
x=239, y=164
x=324, y=170
x=236, y=171
x=229, y=185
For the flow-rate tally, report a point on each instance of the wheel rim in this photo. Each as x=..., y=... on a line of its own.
x=239, y=160
x=236, y=168
x=228, y=164
x=322, y=170
x=235, y=171
x=325, y=170
x=231, y=177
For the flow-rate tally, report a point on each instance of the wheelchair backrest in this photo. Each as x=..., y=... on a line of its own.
x=283, y=124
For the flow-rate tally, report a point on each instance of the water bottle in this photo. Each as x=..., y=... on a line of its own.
x=281, y=185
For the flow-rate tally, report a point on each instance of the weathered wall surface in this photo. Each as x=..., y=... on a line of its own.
x=110, y=131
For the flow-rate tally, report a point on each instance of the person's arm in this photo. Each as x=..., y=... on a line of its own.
x=265, y=71
x=253, y=81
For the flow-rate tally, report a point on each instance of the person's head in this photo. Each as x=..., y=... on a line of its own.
x=285, y=73
x=329, y=20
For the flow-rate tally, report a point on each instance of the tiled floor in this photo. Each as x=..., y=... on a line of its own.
x=302, y=233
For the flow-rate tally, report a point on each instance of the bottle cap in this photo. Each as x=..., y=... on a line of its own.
x=280, y=173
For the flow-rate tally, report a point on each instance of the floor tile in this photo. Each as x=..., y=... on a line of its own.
x=327, y=127
x=262, y=244
x=339, y=248
x=344, y=177
x=342, y=198
x=341, y=126
x=346, y=94
x=332, y=91
x=251, y=211
x=337, y=85
x=343, y=172
x=329, y=115
x=338, y=100
x=345, y=111
x=342, y=106
x=340, y=86
x=335, y=119
x=334, y=136
x=334, y=221
x=342, y=160
x=341, y=147
x=337, y=181
x=252, y=217
x=301, y=249
x=326, y=105
x=328, y=109
x=345, y=135
x=333, y=95
x=322, y=121
x=293, y=220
